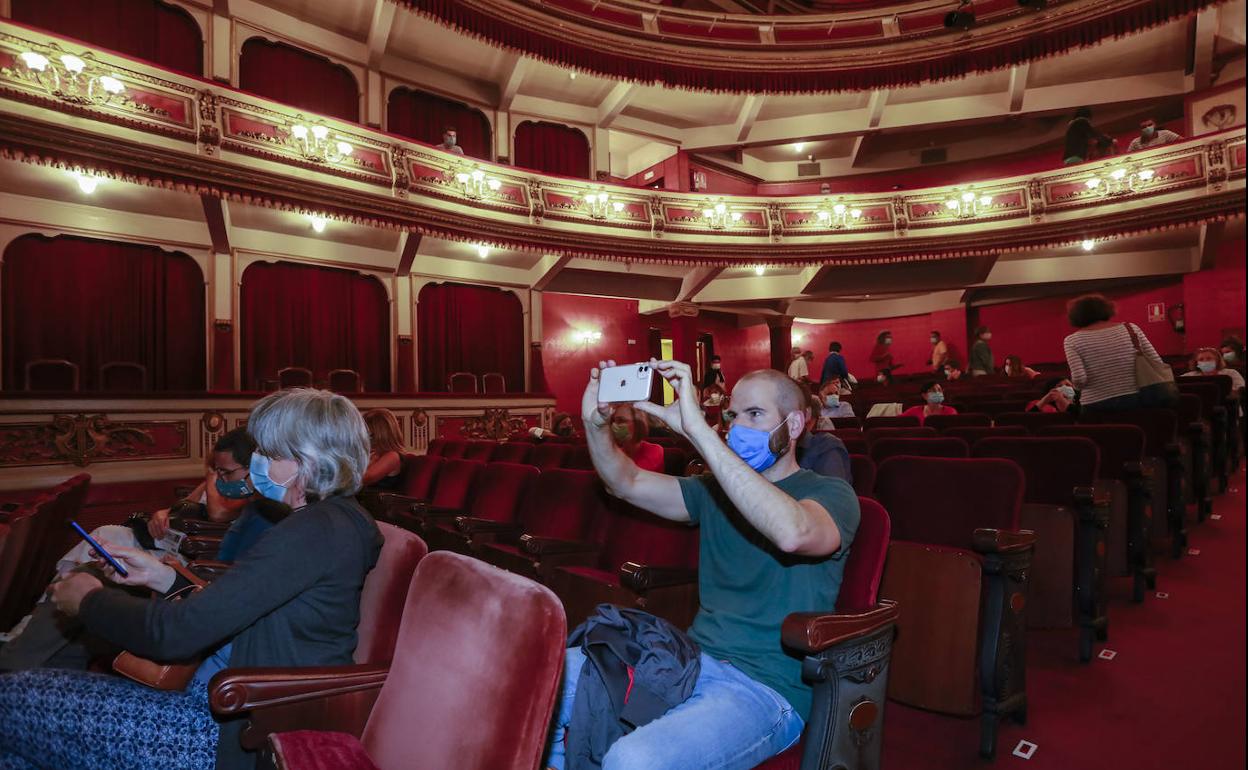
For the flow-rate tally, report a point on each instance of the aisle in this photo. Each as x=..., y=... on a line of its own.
x=1172, y=697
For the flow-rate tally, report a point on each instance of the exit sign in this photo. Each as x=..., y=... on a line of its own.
x=1156, y=312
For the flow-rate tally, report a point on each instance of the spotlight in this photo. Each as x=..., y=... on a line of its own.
x=483, y=251
x=1088, y=245
x=86, y=182
x=962, y=18
x=759, y=270
x=318, y=223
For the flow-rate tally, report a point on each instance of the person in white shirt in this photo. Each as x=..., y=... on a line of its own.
x=1150, y=136
x=799, y=368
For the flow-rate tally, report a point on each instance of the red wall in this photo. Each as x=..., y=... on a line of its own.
x=911, y=345
x=1213, y=300
x=566, y=361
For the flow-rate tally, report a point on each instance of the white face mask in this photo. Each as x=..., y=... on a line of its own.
x=987, y=335
x=1067, y=392
x=934, y=340
x=1228, y=356
x=1206, y=366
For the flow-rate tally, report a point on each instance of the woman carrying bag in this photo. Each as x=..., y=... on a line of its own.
x=1112, y=364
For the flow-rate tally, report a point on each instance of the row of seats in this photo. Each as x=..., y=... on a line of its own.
x=30, y=538
x=543, y=455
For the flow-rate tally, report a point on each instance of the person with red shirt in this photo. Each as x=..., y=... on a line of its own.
x=630, y=428
x=933, y=403
x=881, y=354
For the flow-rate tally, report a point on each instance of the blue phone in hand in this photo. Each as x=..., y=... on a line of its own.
x=108, y=557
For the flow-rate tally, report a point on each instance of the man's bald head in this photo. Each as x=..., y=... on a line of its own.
x=787, y=394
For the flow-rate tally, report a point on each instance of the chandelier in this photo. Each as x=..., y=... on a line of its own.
x=474, y=183
x=718, y=216
x=968, y=204
x=317, y=146
x=599, y=204
x=838, y=216
x=71, y=78
x=1121, y=180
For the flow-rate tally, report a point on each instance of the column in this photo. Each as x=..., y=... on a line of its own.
x=684, y=317
x=780, y=328
x=405, y=349
x=224, y=373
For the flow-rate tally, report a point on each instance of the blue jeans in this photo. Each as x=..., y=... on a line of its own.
x=730, y=722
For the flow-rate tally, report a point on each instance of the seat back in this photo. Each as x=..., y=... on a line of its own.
x=454, y=448
x=512, y=452
x=942, y=501
x=345, y=381
x=455, y=483
x=493, y=382
x=417, y=475
x=385, y=592
x=968, y=420
x=885, y=448
x=123, y=377
x=855, y=445
x=294, y=377
x=564, y=504
x=875, y=434
x=51, y=374
x=1118, y=444
x=548, y=456
x=1192, y=408
x=441, y=704
x=860, y=583
x=863, y=469
x=1207, y=389
x=639, y=536
x=1160, y=426
x=1053, y=466
x=462, y=382
x=674, y=461
x=480, y=450
x=846, y=422
x=1034, y=421
x=501, y=488
x=971, y=434
x=436, y=446
x=33, y=544
x=578, y=459
x=896, y=421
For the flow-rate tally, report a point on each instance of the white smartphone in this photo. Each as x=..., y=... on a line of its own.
x=627, y=383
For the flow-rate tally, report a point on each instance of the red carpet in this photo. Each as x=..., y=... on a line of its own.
x=1173, y=697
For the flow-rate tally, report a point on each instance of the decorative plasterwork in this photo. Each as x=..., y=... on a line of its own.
x=210, y=141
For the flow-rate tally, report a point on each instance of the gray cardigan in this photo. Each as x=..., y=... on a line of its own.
x=292, y=600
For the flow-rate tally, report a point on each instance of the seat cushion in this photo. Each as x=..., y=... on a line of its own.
x=315, y=750
x=789, y=759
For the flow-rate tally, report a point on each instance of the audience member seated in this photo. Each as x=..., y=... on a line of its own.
x=630, y=428
x=1209, y=362
x=385, y=450
x=933, y=403
x=953, y=371
x=561, y=427
x=1151, y=136
x=822, y=453
x=1059, y=396
x=291, y=600
x=755, y=508
x=450, y=141
x=1083, y=141
x=229, y=470
x=1101, y=355
x=1014, y=367
x=1233, y=352
x=830, y=404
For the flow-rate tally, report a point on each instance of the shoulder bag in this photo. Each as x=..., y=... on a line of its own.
x=1154, y=380
x=162, y=676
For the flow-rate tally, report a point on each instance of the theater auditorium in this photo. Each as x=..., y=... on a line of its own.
x=622, y=384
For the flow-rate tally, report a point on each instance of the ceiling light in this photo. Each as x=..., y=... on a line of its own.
x=86, y=182
x=799, y=146
x=1088, y=245
x=318, y=222
x=759, y=270
x=571, y=76
x=483, y=251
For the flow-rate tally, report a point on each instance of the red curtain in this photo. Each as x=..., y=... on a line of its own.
x=145, y=29
x=319, y=318
x=474, y=329
x=298, y=78
x=93, y=302
x=552, y=148
x=423, y=116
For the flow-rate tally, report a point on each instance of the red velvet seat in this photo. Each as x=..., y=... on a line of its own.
x=875, y=434
x=965, y=420
x=462, y=382
x=578, y=459
x=856, y=446
x=512, y=452
x=454, y=448
x=418, y=474
x=345, y=381
x=51, y=374
x=500, y=489
x=1070, y=521
x=480, y=450
x=840, y=423
x=895, y=421
x=493, y=383
x=885, y=448
x=548, y=456
x=863, y=469
x=675, y=460
x=294, y=377
x=32, y=542
x=436, y=446
x=958, y=566
x=1034, y=421
x=123, y=377
x=438, y=704
x=971, y=434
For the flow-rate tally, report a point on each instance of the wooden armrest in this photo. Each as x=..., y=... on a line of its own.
x=203, y=527
x=814, y=632
x=1091, y=497
x=237, y=690
x=208, y=569
x=641, y=578
x=319, y=750
x=200, y=545
x=549, y=546
x=471, y=525
x=1002, y=540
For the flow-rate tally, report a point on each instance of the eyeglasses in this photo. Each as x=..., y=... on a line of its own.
x=225, y=473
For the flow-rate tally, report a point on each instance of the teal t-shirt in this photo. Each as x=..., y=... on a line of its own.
x=747, y=586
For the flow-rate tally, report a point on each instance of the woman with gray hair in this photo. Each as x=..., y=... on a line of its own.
x=291, y=600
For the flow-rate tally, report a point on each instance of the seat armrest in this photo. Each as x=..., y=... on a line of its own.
x=472, y=525
x=208, y=569
x=194, y=527
x=319, y=750
x=200, y=545
x=550, y=546
x=641, y=578
x=814, y=632
x=1090, y=497
x=238, y=690
x=985, y=541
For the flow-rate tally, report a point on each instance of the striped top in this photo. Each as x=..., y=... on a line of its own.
x=1102, y=361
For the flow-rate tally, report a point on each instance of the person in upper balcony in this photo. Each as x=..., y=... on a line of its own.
x=982, y=362
x=933, y=403
x=882, y=356
x=1083, y=141
x=450, y=141
x=1151, y=136
x=940, y=352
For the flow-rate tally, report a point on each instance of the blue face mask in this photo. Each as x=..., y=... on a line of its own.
x=1206, y=366
x=753, y=446
x=832, y=399
x=261, y=482
x=935, y=397
x=1067, y=392
x=234, y=490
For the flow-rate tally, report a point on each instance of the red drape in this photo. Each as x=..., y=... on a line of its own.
x=474, y=329
x=553, y=148
x=316, y=317
x=145, y=29
x=423, y=116
x=93, y=302
x=298, y=78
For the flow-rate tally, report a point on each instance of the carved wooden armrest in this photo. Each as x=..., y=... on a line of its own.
x=208, y=569
x=471, y=525
x=238, y=690
x=203, y=527
x=319, y=750
x=552, y=546
x=815, y=632
x=641, y=578
x=200, y=545
x=985, y=541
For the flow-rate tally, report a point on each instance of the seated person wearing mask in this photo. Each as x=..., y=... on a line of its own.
x=227, y=469
x=562, y=427
x=629, y=429
x=1209, y=362
x=450, y=141
x=1014, y=367
x=831, y=405
x=1150, y=136
x=1233, y=353
x=822, y=453
x=1059, y=396
x=772, y=541
x=292, y=600
x=933, y=403
x=953, y=371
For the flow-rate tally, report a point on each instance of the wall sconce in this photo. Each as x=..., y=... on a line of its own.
x=587, y=336
x=68, y=77
x=314, y=142
x=838, y=216
x=718, y=216
x=599, y=204
x=483, y=251
x=474, y=183
x=1121, y=180
x=86, y=182
x=967, y=204
x=318, y=222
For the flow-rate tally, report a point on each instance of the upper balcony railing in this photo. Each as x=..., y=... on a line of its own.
x=103, y=114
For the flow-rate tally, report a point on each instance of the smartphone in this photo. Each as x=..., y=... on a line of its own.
x=627, y=383
x=108, y=557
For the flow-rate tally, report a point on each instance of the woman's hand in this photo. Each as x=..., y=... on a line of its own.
x=158, y=524
x=144, y=569
x=68, y=594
